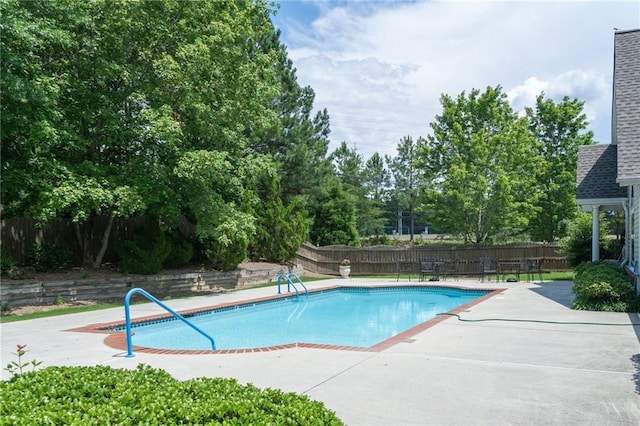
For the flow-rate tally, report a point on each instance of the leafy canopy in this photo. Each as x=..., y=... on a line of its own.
x=480, y=160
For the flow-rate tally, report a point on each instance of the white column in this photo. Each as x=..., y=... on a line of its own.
x=595, y=233
x=627, y=230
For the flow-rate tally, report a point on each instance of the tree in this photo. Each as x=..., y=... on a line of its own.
x=358, y=180
x=559, y=130
x=281, y=227
x=297, y=141
x=334, y=217
x=376, y=186
x=480, y=160
x=407, y=178
x=134, y=100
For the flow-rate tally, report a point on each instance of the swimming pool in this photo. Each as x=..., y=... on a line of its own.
x=343, y=317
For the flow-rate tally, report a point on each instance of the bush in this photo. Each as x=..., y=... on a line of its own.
x=577, y=245
x=603, y=286
x=379, y=240
x=104, y=395
x=146, y=252
x=225, y=254
x=48, y=258
x=181, y=251
x=6, y=263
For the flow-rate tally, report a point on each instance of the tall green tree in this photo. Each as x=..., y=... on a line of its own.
x=407, y=181
x=376, y=185
x=559, y=129
x=281, y=227
x=139, y=98
x=334, y=217
x=357, y=180
x=480, y=160
x=348, y=164
x=298, y=141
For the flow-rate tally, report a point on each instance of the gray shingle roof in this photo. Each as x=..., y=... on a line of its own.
x=596, y=178
x=627, y=103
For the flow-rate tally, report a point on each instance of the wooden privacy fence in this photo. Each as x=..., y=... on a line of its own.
x=18, y=235
x=386, y=259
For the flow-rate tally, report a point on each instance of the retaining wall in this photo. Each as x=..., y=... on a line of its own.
x=37, y=292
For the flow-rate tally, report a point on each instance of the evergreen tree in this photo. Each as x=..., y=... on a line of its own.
x=334, y=217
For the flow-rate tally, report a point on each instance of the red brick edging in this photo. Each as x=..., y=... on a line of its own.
x=117, y=339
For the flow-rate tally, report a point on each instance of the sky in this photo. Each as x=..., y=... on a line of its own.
x=379, y=66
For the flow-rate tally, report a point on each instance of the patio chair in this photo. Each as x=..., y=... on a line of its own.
x=533, y=267
x=450, y=268
x=429, y=267
x=489, y=267
x=404, y=268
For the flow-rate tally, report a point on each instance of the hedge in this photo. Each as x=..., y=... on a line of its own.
x=101, y=395
x=603, y=286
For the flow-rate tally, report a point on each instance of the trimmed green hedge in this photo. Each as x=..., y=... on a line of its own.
x=103, y=395
x=603, y=286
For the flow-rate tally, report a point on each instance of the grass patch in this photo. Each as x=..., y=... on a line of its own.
x=59, y=311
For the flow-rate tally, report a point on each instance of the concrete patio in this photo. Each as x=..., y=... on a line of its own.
x=454, y=373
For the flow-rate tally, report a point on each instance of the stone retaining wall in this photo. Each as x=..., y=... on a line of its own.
x=32, y=292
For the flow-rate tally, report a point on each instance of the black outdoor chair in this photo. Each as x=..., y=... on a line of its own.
x=429, y=267
x=489, y=267
x=450, y=268
x=405, y=268
x=533, y=267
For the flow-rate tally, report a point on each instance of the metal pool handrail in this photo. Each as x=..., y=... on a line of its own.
x=291, y=284
x=127, y=317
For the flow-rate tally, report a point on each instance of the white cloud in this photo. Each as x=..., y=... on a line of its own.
x=380, y=67
x=590, y=87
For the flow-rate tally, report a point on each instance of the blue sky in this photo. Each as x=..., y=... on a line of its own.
x=379, y=67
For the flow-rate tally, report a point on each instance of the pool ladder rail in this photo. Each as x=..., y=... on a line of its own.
x=127, y=316
x=290, y=283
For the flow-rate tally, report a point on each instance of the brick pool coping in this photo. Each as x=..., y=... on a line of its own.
x=117, y=339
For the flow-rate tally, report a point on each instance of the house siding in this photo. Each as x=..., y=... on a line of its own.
x=634, y=228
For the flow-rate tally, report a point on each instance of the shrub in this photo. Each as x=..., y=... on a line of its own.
x=379, y=240
x=225, y=254
x=104, y=395
x=603, y=286
x=48, y=258
x=181, y=251
x=6, y=263
x=146, y=252
x=577, y=245
x=226, y=244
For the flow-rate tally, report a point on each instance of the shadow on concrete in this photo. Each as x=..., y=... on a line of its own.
x=635, y=359
x=558, y=291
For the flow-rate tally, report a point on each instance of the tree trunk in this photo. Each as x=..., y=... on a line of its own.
x=104, y=243
x=84, y=241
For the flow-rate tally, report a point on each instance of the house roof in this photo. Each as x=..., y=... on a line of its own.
x=626, y=105
x=596, y=177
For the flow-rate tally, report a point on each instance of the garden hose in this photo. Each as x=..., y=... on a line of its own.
x=537, y=321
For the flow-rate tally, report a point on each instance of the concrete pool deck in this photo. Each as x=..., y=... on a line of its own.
x=454, y=373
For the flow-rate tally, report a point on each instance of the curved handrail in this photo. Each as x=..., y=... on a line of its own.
x=306, y=290
x=127, y=317
x=291, y=284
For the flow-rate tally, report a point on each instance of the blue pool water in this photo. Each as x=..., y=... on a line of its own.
x=345, y=317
